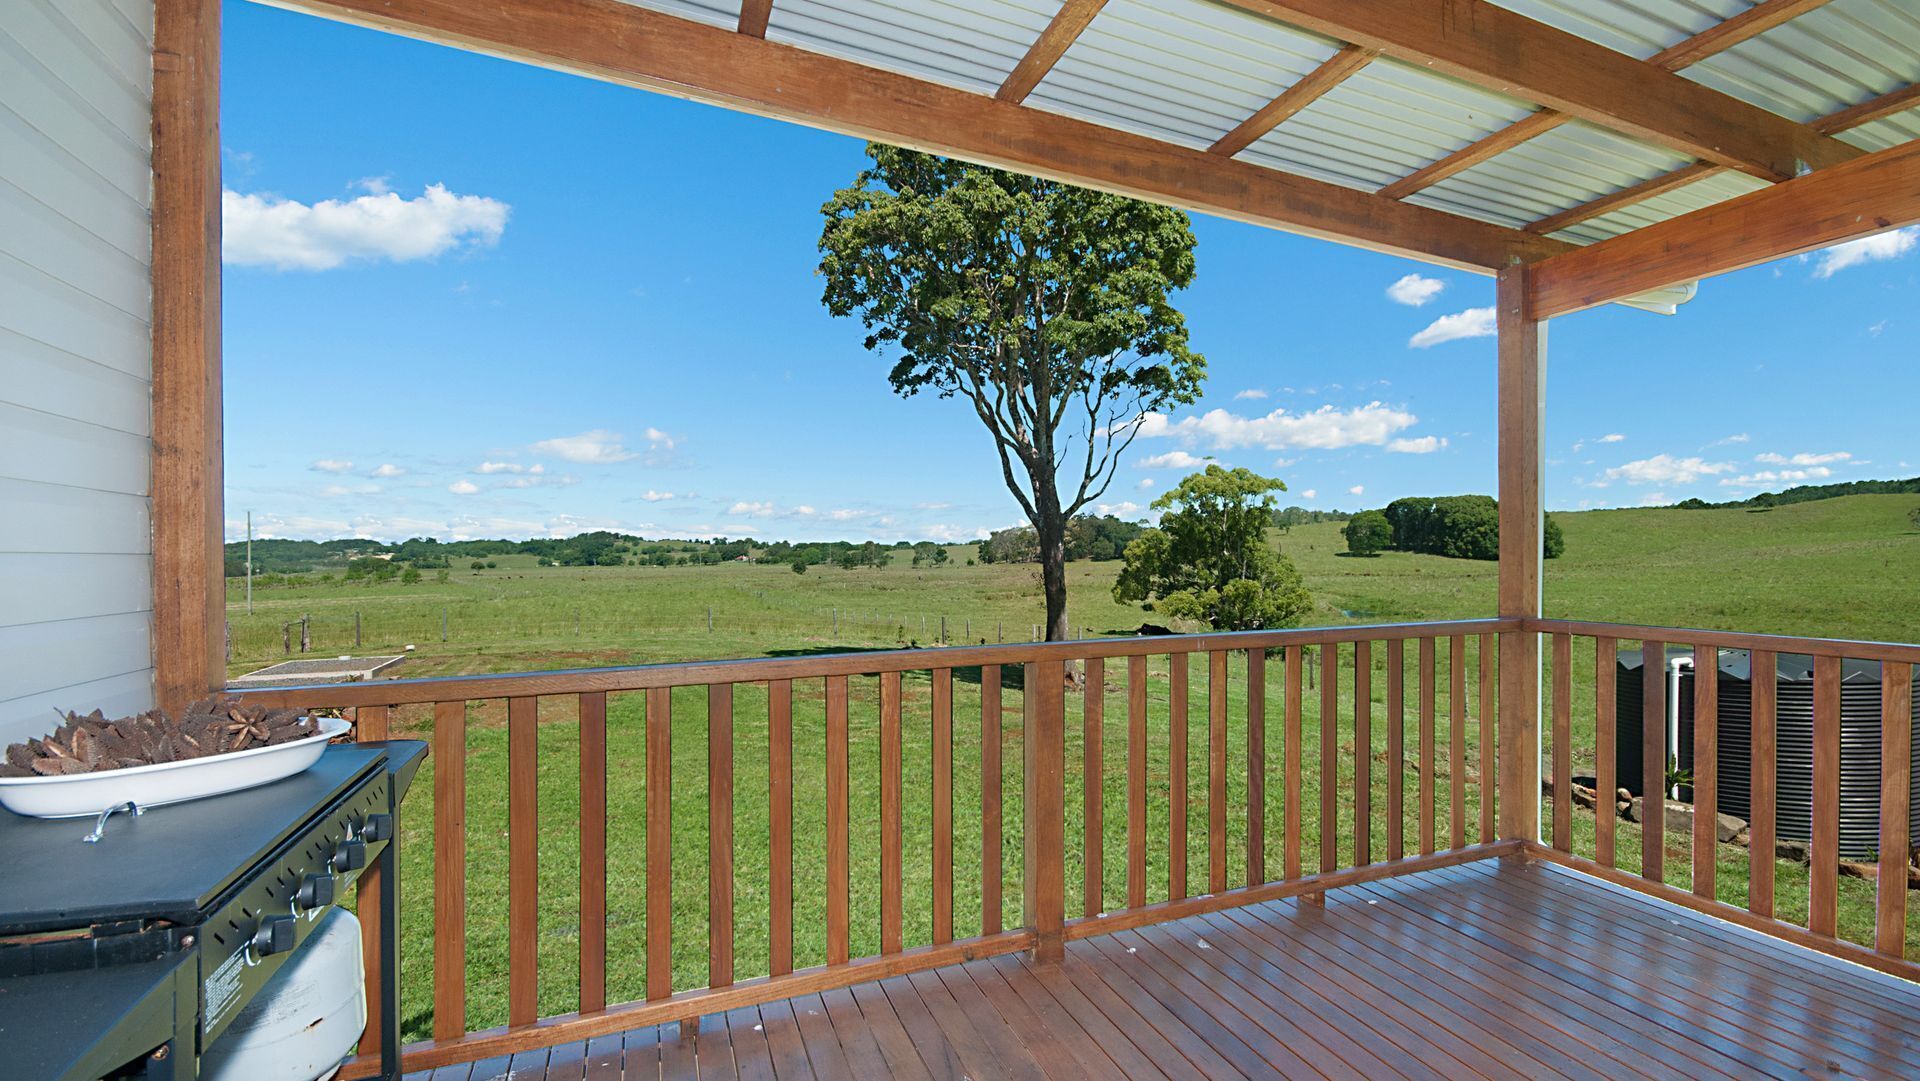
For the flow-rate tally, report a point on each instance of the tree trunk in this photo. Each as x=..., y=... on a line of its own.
x=1050, y=528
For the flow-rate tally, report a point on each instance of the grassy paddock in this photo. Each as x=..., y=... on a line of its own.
x=1843, y=568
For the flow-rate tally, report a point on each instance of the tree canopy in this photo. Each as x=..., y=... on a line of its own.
x=1046, y=307
x=1369, y=533
x=1208, y=560
x=1458, y=526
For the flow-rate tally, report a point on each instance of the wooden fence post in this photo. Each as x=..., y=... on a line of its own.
x=1044, y=881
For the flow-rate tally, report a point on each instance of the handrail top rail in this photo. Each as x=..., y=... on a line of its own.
x=851, y=663
x=1776, y=643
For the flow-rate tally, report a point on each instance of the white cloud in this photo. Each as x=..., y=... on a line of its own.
x=1472, y=323
x=1426, y=444
x=463, y=487
x=932, y=506
x=1874, y=330
x=1309, y=494
x=535, y=479
x=1778, y=476
x=1119, y=510
x=508, y=467
x=597, y=447
x=1146, y=483
x=1326, y=428
x=1740, y=437
x=1666, y=469
x=1358, y=489
x=652, y=496
x=1868, y=249
x=1251, y=394
x=332, y=465
x=1414, y=290
x=1173, y=459
x=660, y=440
x=1611, y=437
x=387, y=469
x=752, y=510
x=265, y=230
x=1804, y=459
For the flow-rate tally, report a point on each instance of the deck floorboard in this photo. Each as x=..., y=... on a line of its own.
x=1501, y=968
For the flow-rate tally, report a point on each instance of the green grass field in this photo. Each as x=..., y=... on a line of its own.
x=1843, y=567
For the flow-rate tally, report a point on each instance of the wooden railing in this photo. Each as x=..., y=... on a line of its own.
x=1819, y=775
x=1151, y=725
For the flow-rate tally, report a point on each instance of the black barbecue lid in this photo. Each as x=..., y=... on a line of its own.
x=171, y=863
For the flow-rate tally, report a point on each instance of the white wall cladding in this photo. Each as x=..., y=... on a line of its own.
x=75, y=360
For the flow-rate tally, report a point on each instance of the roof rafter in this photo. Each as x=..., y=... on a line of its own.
x=1717, y=38
x=628, y=44
x=1868, y=195
x=753, y=17
x=1046, y=50
x=1504, y=51
x=1487, y=146
x=1853, y=116
x=1331, y=73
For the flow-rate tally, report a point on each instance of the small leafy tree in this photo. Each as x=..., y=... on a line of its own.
x=799, y=566
x=411, y=576
x=1045, y=306
x=1209, y=561
x=1369, y=533
x=1913, y=518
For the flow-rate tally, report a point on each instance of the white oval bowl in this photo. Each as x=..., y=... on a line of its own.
x=77, y=794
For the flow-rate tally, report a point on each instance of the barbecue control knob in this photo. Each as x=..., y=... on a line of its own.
x=377, y=827
x=316, y=891
x=274, y=936
x=350, y=856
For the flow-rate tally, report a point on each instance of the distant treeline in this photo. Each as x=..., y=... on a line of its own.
x=1287, y=517
x=1807, y=493
x=1457, y=526
x=600, y=548
x=1089, y=536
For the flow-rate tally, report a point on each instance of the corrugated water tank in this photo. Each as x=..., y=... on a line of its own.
x=1793, y=813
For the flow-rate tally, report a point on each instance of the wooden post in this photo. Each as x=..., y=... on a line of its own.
x=1044, y=883
x=189, y=587
x=1522, y=372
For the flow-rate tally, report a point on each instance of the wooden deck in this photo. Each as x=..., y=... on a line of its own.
x=1489, y=969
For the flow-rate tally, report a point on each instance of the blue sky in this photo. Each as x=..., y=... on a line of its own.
x=470, y=298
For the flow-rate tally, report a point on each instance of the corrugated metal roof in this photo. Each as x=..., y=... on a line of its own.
x=1886, y=132
x=1181, y=71
x=718, y=12
x=970, y=44
x=1384, y=122
x=1836, y=55
x=1638, y=28
x=1189, y=71
x=1682, y=200
x=1569, y=165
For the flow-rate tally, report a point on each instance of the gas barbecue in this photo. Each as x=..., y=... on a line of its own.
x=132, y=956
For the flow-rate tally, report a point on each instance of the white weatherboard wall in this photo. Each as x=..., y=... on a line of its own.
x=76, y=185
